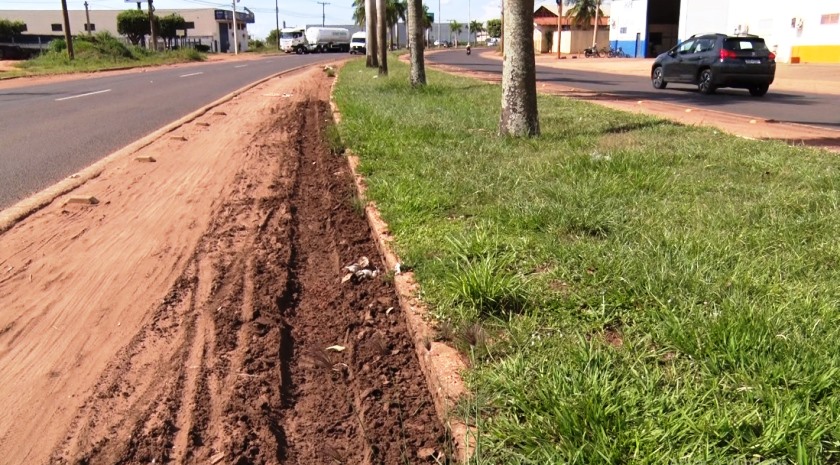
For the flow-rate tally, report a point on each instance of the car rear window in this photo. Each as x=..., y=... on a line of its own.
x=744, y=44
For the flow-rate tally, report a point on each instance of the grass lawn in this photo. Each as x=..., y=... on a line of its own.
x=95, y=53
x=628, y=290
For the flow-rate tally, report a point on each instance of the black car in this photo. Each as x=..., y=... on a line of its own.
x=717, y=60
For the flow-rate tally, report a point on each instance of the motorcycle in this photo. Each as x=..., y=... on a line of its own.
x=591, y=52
x=469, y=50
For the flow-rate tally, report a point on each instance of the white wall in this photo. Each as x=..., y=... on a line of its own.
x=629, y=17
x=705, y=16
x=770, y=19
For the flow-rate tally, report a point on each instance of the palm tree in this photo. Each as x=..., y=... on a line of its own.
x=382, y=35
x=519, y=84
x=396, y=11
x=476, y=27
x=584, y=12
x=427, y=20
x=455, y=28
x=371, y=59
x=359, y=12
x=418, y=21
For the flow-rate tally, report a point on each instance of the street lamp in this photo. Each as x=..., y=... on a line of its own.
x=440, y=18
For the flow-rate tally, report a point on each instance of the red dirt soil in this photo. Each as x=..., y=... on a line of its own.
x=186, y=317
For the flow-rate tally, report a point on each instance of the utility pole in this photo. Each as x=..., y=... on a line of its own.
x=324, y=13
x=67, y=36
x=152, y=28
x=87, y=18
x=235, y=32
x=277, y=18
x=559, y=25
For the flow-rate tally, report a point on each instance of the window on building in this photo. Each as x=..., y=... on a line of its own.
x=833, y=18
x=92, y=27
x=57, y=27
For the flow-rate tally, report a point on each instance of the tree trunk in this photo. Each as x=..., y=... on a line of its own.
x=153, y=29
x=371, y=58
x=416, y=43
x=519, y=84
x=382, y=39
x=502, y=39
x=595, y=31
x=68, y=37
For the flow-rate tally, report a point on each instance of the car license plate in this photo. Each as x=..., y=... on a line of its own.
x=753, y=62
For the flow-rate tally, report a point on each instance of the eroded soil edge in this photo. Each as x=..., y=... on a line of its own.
x=233, y=366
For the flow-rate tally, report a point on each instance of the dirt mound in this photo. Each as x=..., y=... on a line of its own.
x=233, y=366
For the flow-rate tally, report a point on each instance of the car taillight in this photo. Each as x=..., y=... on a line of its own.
x=724, y=53
x=772, y=56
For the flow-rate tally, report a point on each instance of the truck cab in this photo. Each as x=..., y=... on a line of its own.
x=293, y=39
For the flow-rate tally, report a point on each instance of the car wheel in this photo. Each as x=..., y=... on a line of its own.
x=758, y=91
x=658, y=78
x=705, y=84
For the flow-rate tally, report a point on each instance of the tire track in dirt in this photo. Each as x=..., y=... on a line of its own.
x=232, y=367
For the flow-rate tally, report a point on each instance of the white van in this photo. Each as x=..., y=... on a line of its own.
x=358, y=43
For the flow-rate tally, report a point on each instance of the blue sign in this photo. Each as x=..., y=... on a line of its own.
x=227, y=15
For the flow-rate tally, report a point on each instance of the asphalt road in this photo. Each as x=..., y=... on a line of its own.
x=50, y=131
x=795, y=107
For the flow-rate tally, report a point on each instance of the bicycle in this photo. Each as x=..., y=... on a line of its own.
x=616, y=53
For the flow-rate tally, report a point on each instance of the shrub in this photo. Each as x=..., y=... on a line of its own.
x=58, y=45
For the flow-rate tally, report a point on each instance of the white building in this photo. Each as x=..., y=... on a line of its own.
x=800, y=31
x=212, y=27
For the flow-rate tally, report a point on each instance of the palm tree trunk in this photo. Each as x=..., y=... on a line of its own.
x=416, y=43
x=595, y=29
x=371, y=59
x=382, y=32
x=519, y=84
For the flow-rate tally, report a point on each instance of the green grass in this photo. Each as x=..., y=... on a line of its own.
x=98, y=52
x=650, y=292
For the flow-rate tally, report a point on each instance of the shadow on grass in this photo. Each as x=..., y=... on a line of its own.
x=637, y=126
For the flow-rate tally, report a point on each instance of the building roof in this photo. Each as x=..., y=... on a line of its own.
x=546, y=15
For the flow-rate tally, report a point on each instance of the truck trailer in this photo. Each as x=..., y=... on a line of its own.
x=314, y=39
x=328, y=39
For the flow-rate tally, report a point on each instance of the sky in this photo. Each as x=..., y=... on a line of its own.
x=293, y=12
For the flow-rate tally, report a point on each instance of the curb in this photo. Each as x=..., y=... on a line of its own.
x=12, y=215
x=441, y=364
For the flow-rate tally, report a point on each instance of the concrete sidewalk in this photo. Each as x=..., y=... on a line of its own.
x=803, y=77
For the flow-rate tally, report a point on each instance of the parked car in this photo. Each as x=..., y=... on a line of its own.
x=492, y=42
x=712, y=61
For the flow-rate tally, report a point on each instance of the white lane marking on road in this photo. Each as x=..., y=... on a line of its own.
x=191, y=74
x=240, y=66
x=83, y=95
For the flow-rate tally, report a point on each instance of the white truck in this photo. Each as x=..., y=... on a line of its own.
x=358, y=43
x=314, y=39
x=328, y=39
